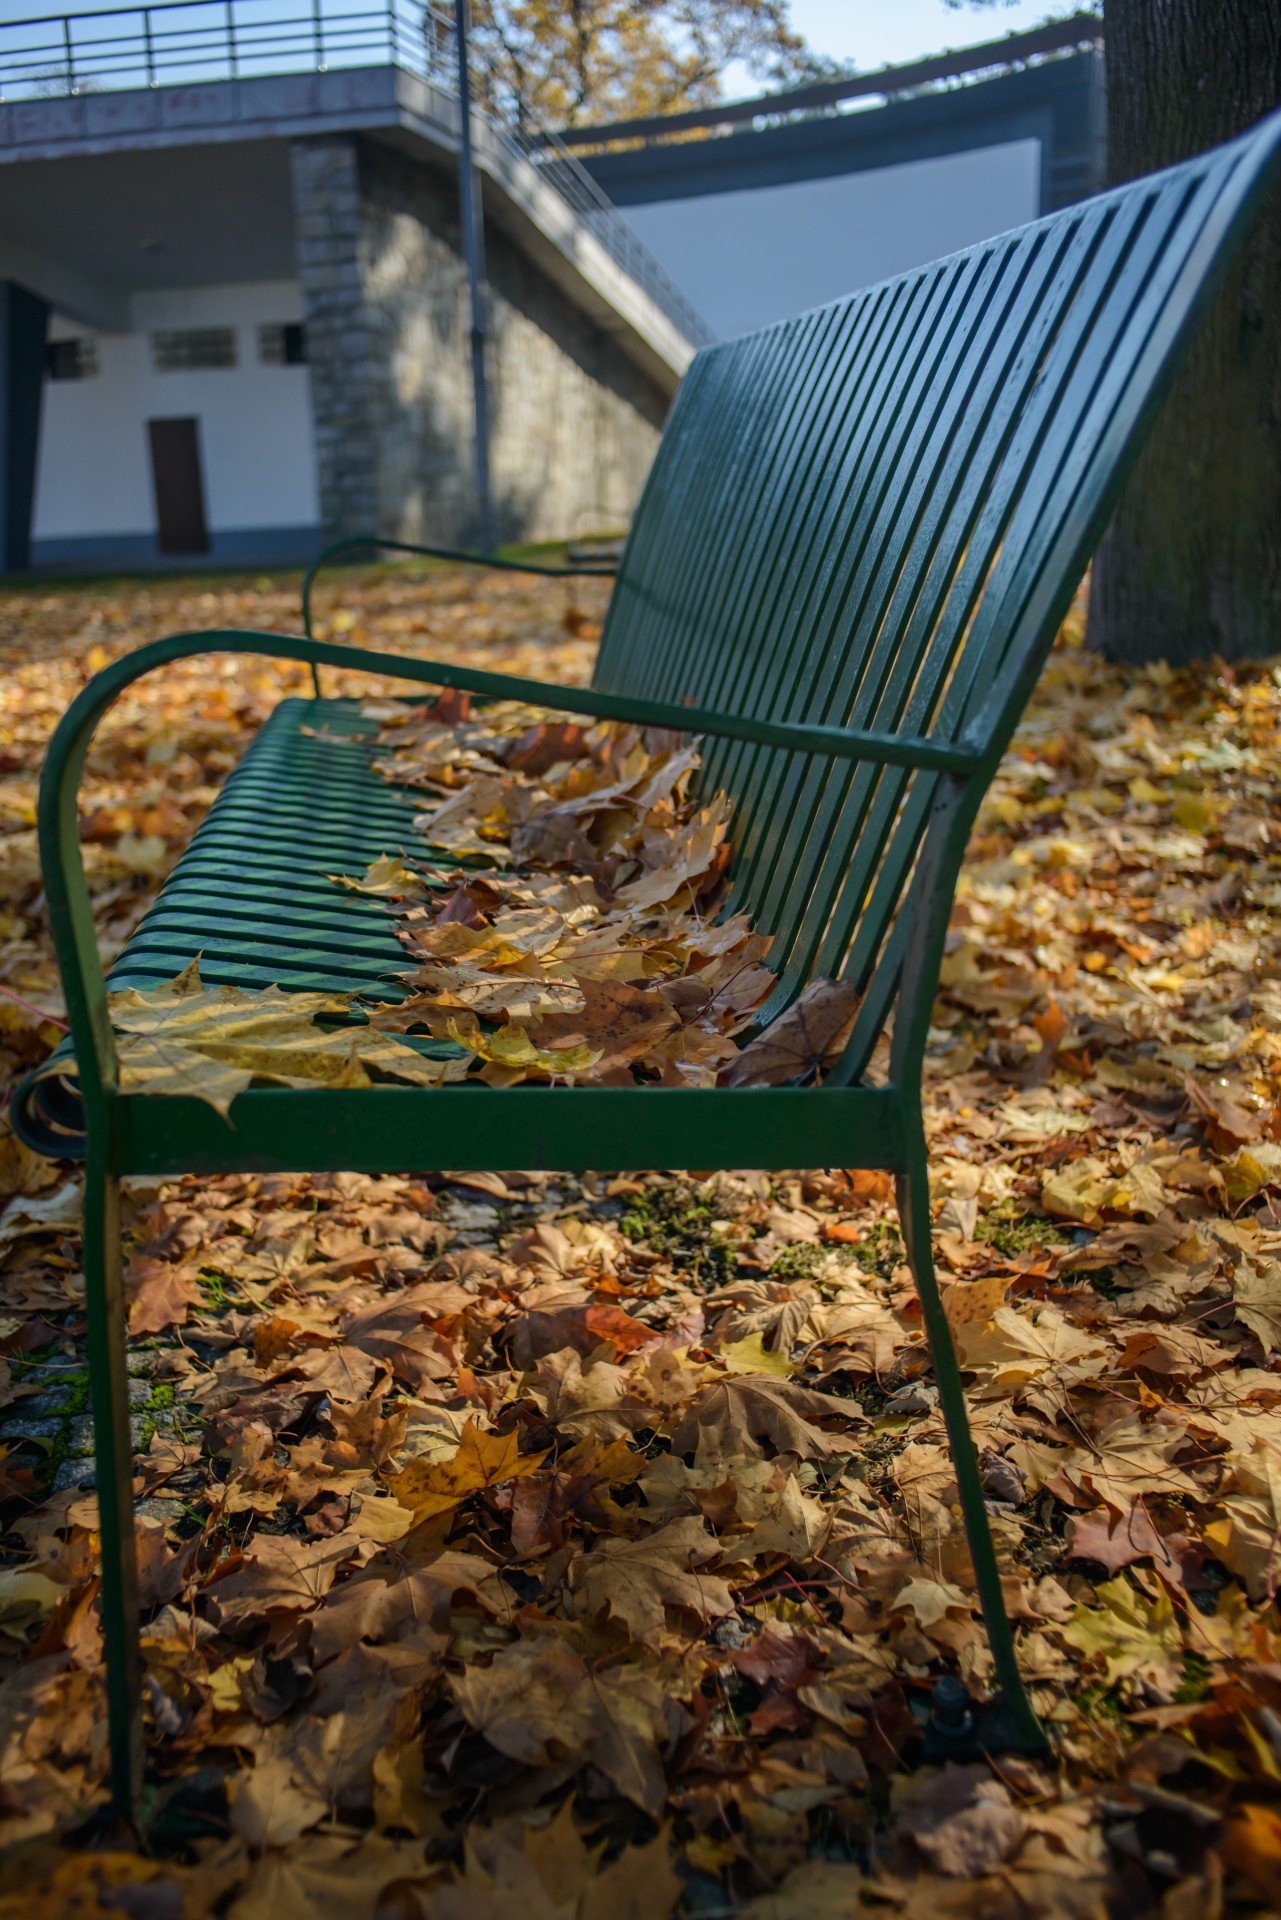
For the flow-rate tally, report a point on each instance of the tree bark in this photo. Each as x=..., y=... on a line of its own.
x=1191, y=565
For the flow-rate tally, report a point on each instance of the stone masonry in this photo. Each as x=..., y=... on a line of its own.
x=575, y=422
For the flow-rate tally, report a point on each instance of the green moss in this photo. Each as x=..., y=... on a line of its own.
x=801, y=1261
x=1195, y=1683
x=678, y=1221
x=59, y=1450
x=1012, y=1234
x=161, y=1396
x=37, y=1361
x=881, y=1248
x=1100, y=1703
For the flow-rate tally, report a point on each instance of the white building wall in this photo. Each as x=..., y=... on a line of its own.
x=93, y=477
x=747, y=258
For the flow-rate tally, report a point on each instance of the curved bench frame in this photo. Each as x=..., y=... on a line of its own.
x=573, y=1129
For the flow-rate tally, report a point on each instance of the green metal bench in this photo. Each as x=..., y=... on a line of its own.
x=861, y=532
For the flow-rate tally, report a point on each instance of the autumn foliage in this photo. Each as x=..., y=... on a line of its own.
x=589, y=1547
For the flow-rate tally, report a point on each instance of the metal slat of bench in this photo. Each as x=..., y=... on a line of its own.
x=250, y=896
x=868, y=520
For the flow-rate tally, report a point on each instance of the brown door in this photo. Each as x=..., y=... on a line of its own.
x=180, y=493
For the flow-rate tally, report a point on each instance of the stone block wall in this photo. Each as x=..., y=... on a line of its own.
x=574, y=421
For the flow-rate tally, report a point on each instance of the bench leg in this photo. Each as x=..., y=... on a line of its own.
x=113, y=1459
x=1009, y=1722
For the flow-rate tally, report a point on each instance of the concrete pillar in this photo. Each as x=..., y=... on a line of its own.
x=23, y=320
x=575, y=424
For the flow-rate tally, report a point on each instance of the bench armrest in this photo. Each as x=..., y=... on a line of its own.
x=365, y=542
x=67, y=893
x=841, y=743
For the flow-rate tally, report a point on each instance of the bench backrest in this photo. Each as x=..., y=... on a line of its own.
x=876, y=515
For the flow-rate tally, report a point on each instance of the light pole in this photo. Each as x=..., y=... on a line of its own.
x=474, y=255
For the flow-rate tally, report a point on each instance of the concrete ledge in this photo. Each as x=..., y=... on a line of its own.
x=389, y=104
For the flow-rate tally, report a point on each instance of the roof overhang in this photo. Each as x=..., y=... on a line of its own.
x=89, y=183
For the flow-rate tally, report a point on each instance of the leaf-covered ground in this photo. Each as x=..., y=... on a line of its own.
x=515, y=1546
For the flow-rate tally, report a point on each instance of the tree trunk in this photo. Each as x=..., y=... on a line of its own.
x=1191, y=565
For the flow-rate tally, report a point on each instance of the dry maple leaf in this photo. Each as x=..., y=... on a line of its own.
x=520, y=1872
x=278, y=1573
x=963, y=1821
x=483, y=1459
x=210, y=1043
x=619, y=1023
x=634, y=1581
x=387, y=876
x=728, y=1419
x=1134, y=1637
x=334, y=1874
x=394, y=1331
x=1256, y=1297
x=540, y=1703
x=422, y=1603
x=163, y=1296
x=269, y=1808
x=1116, y=1540
x=804, y=1040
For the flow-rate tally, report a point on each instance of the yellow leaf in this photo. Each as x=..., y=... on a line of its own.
x=1134, y=1637
x=210, y=1043
x=388, y=876
x=512, y=1047
x=1194, y=813
x=483, y=1459
x=752, y=1356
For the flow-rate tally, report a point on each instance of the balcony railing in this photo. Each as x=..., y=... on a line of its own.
x=189, y=42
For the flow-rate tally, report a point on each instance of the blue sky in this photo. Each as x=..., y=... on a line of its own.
x=873, y=33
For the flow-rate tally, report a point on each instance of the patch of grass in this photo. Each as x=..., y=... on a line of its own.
x=1013, y=1234
x=214, y=1288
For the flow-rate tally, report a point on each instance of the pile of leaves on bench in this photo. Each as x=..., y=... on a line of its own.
x=571, y=937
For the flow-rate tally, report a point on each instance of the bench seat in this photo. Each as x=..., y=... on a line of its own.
x=250, y=896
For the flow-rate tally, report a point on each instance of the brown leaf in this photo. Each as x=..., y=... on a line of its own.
x=620, y=1021
x=542, y=746
x=634, y=1581
x=164, y=1294
x=431, y=1595
x=804, y=1040
x=731, y=1417
x=963, y=1822
x=394, y=1330
x=279, y=1573
x=1117, y=1540
x=268, y=1807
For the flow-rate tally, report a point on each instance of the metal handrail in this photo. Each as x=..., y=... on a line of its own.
x=185, y=42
